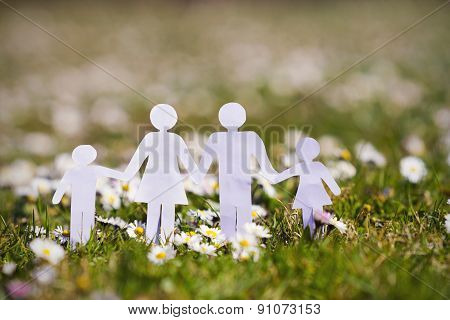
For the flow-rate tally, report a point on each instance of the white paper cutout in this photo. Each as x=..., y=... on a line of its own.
x=233, y=149
x=162, y=186
x=311, y=194
x=82, y=180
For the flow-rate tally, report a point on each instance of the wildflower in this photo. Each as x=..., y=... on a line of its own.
x=160, y=254
x=117, y=222
x=414, y=145
x=43, y=186
x=341, y=226
x=342, y=170
x=136, y=230
x=367, y=153
x=45, y=275
x=204, y=248
x=346, y=154
x=48, y=250
x=267, y=187
x=257, y=230
x=447, y=222
x=62, y=234
x=244, y=241
x=36, y=232
x=413, y=169
x=330, y=147
x=9, y=268
x=258, y=212
x=110, y=199
x=211, y=233
x=188, y=238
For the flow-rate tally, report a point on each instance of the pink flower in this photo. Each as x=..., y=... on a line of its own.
x=18, y=289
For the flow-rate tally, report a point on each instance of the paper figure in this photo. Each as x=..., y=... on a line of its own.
x=162, y=185
x=311, y=194
x=233, y=150
x=82, y=180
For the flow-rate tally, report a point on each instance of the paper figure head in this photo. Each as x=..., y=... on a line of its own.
x=84, y=154
x=163, y=116
x=232, y=115
x=307, y=149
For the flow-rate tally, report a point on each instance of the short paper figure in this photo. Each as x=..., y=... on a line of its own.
x=82, y=180
x=311, y=195
x=233, y=151
x=162, y=184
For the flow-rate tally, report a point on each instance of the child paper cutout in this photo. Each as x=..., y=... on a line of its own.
x=161, y=186
x=311, y=194
x=82, y=180
x=233, y=150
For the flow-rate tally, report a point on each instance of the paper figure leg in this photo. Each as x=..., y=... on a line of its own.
x=153, y=222
x=76, y=227
x=308, y=219
x=244, y=215
x=167, y=223
x=88, y=222
x=228, y=220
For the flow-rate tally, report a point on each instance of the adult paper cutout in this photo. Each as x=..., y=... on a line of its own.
x=311, y=194
x=233, y=151
x=82, y=180
x=162, y=185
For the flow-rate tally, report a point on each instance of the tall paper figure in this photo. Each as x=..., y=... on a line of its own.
x=162, y=184
x=311, y=194
x=233, y=151
x=82, y=180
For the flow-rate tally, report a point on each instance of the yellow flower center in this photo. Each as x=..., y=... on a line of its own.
x=215, y=186
x=346, y=155
x=190, y=233
x=139, y=231
x=413, y=169
x=46, y=251
x=160, y=255
x=111, y=199
x=65, y=233
x=244, y=243
x=254, y=214
x=125, y=187
x=211, y=233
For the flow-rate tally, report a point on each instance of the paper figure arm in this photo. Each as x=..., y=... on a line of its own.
x=109, y=173
x=286, y=174
x=260, y=154
x=207, y=158
x=136, y=162
x=328, y=178
x=62, y=188
x=188, y=162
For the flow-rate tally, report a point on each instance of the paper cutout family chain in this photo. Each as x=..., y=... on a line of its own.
x=162, y=187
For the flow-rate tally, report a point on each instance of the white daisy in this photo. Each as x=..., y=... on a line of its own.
x=188, y=238
x=258, y=212
x=257, y=230
x=341, y=170
x=341, y=226
x=36, y=232
x=367, y=153
x=45, y=275
x=204, y=248
x=209, y=232
x=48, y=250
x=160, y=254
x=62, y=234
x=136, y=230
x=414, y=145
x=447, y=222
x=118, y=222
x=413, y=169
x=9, y=268
x=110, y=199
x=244, y=241
x=265, y=184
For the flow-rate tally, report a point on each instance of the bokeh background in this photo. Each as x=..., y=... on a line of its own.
x=198, y=55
